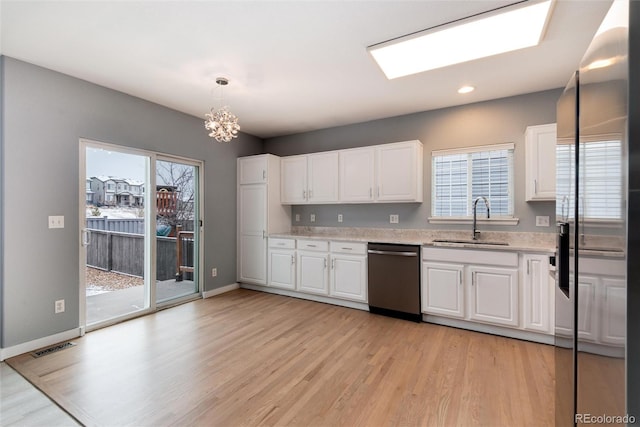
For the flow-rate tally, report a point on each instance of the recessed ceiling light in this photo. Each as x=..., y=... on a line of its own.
x=466, y=89
x=488, y=34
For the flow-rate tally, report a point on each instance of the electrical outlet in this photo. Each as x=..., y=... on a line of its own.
x=394, y=219
x=214, y=272
x=339, y=217
x=312, y=218
x=59, y=306
x=542, y=221
x=56, y=221
x=297, y=217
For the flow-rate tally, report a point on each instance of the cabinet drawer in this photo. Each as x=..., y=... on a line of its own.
x=313, y=245
x=470, y=256
x=348, y=248
x=276, y=242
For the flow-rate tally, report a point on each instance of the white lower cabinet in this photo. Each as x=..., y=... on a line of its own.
x=442, y=289
x=614, y=310
x=313, y=267
x=348, y=271
x=493, y=295
x=282, y=264
x=536, y=293
x=587, y=311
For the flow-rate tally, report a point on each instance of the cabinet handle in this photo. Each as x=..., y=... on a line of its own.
x=370, y=193
x=264, y=234
x=333, y=264
x=311, y=246
x=535, y=186
x=293, y=259
x=304, y=194
x=378, y=192
x=264, y=174
x=473, y=278
x=528, y=267
x=325, y=263
x=347, y=249
x=459, y=277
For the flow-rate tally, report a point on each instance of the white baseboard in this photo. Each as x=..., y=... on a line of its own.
x=6, y=353
x=221, y=290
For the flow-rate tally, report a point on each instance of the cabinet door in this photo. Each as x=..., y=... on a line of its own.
x=312, y=272
x=442, y=289
x=252, y=266
x=535, y=301
x=252, y=170
x=357, y=175
x=493, y=296
x=252, y=250
x=349, y=277
x=614, y=311
x=282, y=269
x=323, y=177
x=587, y=308
x=540, y=162
x=397, y=173
x=293, y=180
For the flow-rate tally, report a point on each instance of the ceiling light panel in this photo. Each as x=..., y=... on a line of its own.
x=488, y=34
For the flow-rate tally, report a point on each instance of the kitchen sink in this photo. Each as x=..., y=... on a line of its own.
x=470, y=242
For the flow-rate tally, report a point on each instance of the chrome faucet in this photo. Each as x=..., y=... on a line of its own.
x=475, y=208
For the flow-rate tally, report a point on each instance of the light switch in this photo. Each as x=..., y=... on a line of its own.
x=56, y=221
x=312, y=217
x=394, y=219
x=542, y=221
x=339, y=217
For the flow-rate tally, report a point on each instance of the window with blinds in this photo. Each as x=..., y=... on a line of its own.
x=601, y=183
x=460, y=176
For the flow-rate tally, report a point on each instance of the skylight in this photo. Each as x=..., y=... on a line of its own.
x=488, y=34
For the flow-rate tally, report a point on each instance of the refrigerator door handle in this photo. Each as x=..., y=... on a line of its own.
x=562, y=259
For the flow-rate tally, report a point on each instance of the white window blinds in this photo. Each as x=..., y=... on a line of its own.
x=460, y=176
x=601, y=183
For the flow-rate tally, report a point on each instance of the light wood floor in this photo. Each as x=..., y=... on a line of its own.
x=251, y=358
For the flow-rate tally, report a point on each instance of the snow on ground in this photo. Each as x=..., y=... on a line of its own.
x=117, y=212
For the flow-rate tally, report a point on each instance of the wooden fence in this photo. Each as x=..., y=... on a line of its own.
x=126, y=225
x=124, y=253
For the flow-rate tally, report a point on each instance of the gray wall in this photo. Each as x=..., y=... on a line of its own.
x=45, y=114
x=2, y=181
x=491, y=122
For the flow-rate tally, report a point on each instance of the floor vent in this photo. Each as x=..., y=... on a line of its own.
x=52, y=349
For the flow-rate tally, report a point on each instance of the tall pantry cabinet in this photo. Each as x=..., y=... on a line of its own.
x=259, y=213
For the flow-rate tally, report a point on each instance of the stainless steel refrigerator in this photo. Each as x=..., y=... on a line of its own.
x=595, y=352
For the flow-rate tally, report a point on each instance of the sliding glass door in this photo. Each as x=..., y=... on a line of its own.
x=177, y=204
x=116, y=233
x=140, y=232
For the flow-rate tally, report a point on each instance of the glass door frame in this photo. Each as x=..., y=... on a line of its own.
x=198, y=234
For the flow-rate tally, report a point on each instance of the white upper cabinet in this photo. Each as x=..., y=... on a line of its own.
x=310, y=178
x=293, y=180
x=388, y=173
x=399, y=172
x=357, y=175
x=253, y=170
x=540, y=144
x=323, y=177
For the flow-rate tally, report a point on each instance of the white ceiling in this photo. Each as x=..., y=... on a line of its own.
x=293, y=66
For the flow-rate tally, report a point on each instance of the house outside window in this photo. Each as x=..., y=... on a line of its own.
x=459, y=176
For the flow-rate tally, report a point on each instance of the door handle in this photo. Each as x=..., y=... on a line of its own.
x=86, y=237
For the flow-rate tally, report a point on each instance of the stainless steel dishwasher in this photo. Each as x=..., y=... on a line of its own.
x=394, y=280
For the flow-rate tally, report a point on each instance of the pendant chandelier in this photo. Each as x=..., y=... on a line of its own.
x=222, y=124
